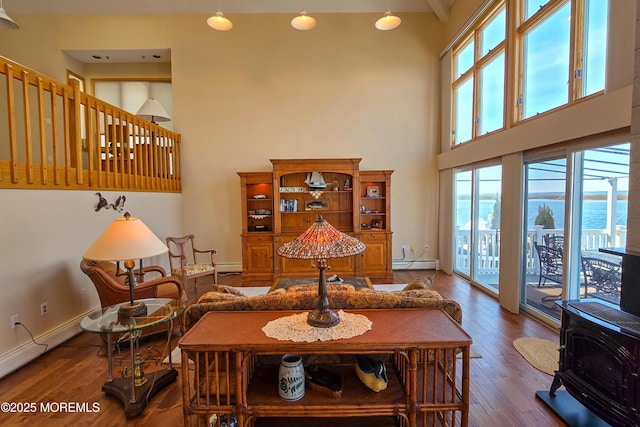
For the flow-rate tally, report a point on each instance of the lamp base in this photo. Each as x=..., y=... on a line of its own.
x=132, y=309
x=323, y=318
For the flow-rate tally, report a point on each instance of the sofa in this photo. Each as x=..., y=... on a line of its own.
x=416, y=294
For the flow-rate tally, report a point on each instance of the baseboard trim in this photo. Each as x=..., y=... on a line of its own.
x=428, y=264
x=229, y=267
x=29, y=351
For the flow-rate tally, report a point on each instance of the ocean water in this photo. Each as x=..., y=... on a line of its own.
x=594, y=212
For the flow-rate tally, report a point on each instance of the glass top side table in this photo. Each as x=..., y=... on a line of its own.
x=137, y=388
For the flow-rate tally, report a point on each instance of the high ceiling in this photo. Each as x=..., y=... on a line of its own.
x=14, y=8
x=146, y=7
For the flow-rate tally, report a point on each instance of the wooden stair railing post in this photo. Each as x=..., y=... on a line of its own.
x=54, y=134
x=13, y=148
x=28, y=148
x=75, y=130
x=67, y=136
x=44, y=170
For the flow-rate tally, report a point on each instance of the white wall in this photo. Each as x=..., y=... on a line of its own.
x=44, y=234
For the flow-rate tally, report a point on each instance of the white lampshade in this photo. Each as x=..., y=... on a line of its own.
x=388, y=21
x=219, y=22
x=5, y=21
x=303, y=22
x=126, y=239
x=153, y=111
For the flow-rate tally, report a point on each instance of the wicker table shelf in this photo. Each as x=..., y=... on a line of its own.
x=237, y=363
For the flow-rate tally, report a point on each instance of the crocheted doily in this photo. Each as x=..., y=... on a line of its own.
x=295, y=328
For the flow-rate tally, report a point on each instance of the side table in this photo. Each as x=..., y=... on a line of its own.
x=135, y=388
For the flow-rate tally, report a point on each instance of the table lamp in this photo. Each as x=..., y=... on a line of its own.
x=127, y=239
x=320, y=242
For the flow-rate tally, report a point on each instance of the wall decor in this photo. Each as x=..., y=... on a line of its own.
x=117, y=206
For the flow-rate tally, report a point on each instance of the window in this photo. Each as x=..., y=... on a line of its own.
x=563, y=44
x=477, y=224
x=595, y=38
x=479, y=72
x=546, y=63
x=558, y=53
x=131, y=94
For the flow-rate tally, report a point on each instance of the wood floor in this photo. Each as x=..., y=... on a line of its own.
x=503, y=384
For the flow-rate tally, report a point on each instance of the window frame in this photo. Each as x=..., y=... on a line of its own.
x=517, y=27
x=479, y=62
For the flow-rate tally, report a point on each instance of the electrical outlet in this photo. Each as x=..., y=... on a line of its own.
x=83, y=293
x=14, y=319
x=405, y=247
x=426, y=248
x=44, y=308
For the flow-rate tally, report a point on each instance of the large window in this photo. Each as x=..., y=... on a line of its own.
x=558, y=53
x=546, y=63
x=479, y=73
x=563, y=55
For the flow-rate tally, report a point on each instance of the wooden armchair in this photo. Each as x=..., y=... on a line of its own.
x=183, y=260
x=550, y=261
x=113, y=290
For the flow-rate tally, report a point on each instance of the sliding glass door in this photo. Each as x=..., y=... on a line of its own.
x=544, y=213
x=602, y=208
x=565, y=232
x=477, y=225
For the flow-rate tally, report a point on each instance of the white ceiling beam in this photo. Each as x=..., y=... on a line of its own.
x=440, y=8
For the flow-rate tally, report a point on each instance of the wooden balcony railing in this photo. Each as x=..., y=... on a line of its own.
x=53, y=136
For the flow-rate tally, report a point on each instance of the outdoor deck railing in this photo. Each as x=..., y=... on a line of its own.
x=53, y=136
x=488, y=244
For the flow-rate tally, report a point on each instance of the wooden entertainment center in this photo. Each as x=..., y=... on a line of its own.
x=235, y=371
x=278, y=206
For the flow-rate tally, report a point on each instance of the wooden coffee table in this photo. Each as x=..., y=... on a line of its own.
x=426, y=380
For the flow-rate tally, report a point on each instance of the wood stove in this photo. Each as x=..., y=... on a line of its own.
x=599, y=363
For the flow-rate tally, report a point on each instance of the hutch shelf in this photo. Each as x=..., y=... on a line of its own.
x=278, y=206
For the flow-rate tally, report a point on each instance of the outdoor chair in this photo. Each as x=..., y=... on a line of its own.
x=555, y=241
x=550, y=261
x=603, y=277
x=183, y=260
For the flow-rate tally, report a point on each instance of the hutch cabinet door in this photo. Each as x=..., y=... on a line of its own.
x=374, y=258
x=257, y=262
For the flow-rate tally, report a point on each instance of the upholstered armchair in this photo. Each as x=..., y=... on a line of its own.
x=113, y=290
